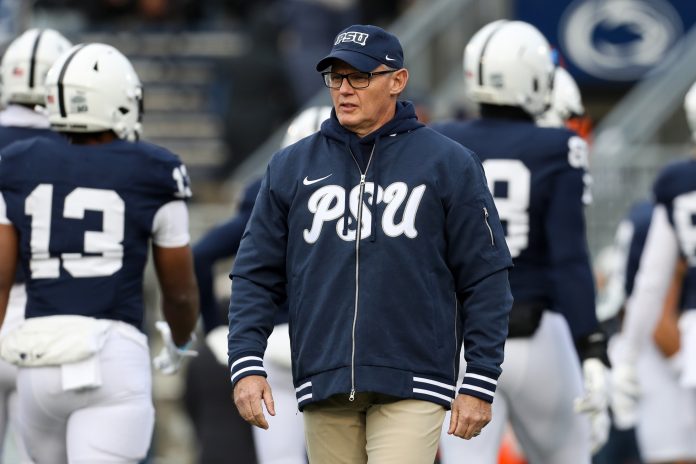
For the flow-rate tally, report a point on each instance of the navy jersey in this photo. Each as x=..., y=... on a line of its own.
x=9, y=135
x=538, y=179
x=675, y=188
x=84, y=215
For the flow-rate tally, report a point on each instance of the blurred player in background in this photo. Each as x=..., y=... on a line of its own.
x=77, y=215
x=566, y=109
x=23, y=72
x=655, y=376
x=283, y=442
x=538, y=178
x=664, y=423
x=614, y=268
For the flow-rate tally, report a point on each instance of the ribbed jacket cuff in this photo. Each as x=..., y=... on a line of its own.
x=246, y=365
x=480, y=384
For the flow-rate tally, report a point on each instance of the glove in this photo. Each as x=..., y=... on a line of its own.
x=625, y=393
x=595, y=401
x=169, y=359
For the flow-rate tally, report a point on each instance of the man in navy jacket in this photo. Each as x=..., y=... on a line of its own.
x=385, y=241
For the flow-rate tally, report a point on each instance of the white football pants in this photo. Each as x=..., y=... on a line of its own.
x=666, y=412
x=9, y=426
x=110, y=423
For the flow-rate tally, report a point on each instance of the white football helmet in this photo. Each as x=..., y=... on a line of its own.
x=509, y=63
x=690, y=109
x=26, y=62
x=305, y=124
x=566, y=101
x=94, y=88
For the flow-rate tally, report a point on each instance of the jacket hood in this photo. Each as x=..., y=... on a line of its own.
x=404, y=120
x=362, y=149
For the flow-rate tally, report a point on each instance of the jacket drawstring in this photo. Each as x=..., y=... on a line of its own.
x=347, y=187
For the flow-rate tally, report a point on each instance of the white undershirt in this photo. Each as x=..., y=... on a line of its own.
x=21, y=116
x=653, y=279
x=3, y=211
x=170, y=227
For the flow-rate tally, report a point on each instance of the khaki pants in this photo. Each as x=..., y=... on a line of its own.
x=374, y=429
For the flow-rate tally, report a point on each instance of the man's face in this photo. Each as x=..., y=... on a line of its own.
x=363, y=111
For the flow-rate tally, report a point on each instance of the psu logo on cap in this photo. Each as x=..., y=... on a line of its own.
x=359, y=38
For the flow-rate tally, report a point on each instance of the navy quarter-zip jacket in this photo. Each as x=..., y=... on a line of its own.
x=386, y=313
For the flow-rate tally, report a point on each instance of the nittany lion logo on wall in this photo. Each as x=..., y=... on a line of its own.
x=619, y=40
x=359, y=38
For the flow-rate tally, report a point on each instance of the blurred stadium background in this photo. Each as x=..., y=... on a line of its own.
x=224, y=78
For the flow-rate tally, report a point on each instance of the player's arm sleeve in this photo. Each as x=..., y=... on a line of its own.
x=170, y=226
x=479, y=259
x=220, y=242
x=3, y=211
x=258, y=282
x=653, y=279
x=571, y=274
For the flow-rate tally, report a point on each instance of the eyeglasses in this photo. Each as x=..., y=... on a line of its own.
x=357, y=80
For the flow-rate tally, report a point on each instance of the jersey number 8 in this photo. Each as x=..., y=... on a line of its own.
x=513, y=206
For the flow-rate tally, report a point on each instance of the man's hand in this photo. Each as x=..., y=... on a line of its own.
x=248, y=395
x=469, y=415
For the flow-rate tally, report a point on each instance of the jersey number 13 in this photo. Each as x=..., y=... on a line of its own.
x=106, y=246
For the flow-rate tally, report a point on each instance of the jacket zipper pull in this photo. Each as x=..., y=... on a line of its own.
x=485, y=219
x=362, y=179
x=352, y=395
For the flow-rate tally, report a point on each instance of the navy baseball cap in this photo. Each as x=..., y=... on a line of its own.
x=365, y=47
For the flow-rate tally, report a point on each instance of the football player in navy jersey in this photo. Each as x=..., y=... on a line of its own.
x=77, y=216
x=566, y=103
x=538, y=179
x=23, y=70
x=671, y=239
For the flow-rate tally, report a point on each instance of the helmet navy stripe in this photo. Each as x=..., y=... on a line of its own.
x=61, y=98
x=32, y=60
x=483, y=51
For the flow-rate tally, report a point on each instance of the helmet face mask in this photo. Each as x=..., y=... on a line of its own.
x=566, y=101
x=25, y=64
x=94, y=88
x=509, y=63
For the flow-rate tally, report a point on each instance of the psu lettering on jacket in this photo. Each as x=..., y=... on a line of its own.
x=328, y=204
x=359, y=38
